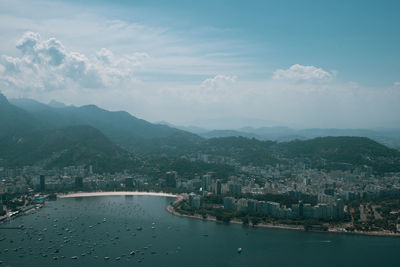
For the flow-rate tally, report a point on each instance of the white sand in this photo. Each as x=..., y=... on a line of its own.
x=122, y=193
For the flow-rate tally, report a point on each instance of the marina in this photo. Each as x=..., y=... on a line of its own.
x=110, y=230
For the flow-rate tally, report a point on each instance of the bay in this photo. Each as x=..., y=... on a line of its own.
x=83, y=231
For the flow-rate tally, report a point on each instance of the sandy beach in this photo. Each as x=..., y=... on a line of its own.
x=119, y=193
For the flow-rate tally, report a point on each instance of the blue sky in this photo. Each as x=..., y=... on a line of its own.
x=299, y=63
x=361, y=38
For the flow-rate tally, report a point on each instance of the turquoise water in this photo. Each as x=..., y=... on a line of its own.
x=96, y=227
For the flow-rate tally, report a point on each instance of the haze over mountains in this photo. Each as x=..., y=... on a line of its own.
x=389, y=137
x=120, y=127
x=56, y=135
x=27, y=140
x=33, y=133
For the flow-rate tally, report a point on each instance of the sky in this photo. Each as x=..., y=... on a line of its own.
x=327, y=64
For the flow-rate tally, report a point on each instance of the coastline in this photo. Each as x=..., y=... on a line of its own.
x=115, y=193
x=180, y=197
x=171, y=210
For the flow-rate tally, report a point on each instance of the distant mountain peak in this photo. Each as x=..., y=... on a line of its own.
x=165, y=123
x=3, y=99
x=90, y=106
x=55, y=104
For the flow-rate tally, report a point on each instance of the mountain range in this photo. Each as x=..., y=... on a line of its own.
x=120, y=127
x=389, y=137
x=56, y=135
x=36, y=133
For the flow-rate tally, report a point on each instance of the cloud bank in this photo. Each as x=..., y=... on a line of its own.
x=47, y=65
x=156, y=87
x=299, y=72
x=218, y=80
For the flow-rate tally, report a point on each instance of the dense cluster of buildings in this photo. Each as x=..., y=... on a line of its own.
x=208, y=182
x=29, y=179
x=324, y=211
x=194, y=200
x=293, y=178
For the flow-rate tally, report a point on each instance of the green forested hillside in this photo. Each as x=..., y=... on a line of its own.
x=35, y=133
x=25, y=140
x=120, y=127
x=324, y=152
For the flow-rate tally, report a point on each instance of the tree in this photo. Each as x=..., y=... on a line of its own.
x=255, y=220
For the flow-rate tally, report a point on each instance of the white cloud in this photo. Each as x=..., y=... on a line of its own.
x=47, y=65
x=213, y=90
x=9, y=64
x=105, y=55
x=53, y=51
x=166, y=82
x=299, y=72
x=28, y=42
x=218, y=81
x=173, y=51
x=396, y=84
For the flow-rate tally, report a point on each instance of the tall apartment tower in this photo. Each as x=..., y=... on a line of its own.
x=42, y=183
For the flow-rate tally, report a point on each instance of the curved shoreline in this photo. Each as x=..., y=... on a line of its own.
x=171, y=210
x=179, y=198
x=115, y=193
